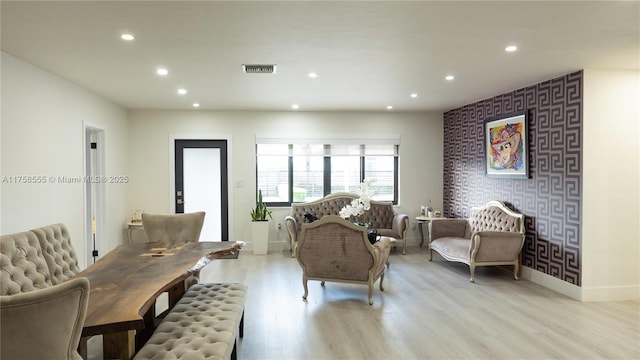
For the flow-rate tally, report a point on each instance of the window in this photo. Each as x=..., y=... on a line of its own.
x=301, y=170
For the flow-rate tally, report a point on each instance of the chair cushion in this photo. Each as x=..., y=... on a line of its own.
x=452, y=248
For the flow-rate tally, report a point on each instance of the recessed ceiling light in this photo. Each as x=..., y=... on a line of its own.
x=449, y=77
x=127, y=37
x=196, y=105
x=182, y=91
x=511, y=48
x=162, y=71
x=414, y=95
x=389, y=107
x=295, y=106
x=313, y=75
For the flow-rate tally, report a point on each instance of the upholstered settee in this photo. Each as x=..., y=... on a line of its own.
x=382, y=216
x=36, y=259
x=334, y=249
x=493, y=235
x=43, y=309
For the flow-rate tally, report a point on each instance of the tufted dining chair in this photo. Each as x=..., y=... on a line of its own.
x=173, y=229
x=44, y=323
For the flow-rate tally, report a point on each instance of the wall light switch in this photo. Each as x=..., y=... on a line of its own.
x=239, y=184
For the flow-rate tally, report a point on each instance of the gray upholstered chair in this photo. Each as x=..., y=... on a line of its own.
x=44, y=323
x=174, y=229
x=334, y=249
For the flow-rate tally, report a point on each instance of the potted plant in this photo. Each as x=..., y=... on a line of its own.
x=260, y=226
x=261, y=211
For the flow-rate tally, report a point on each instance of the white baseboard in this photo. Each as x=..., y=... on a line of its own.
x=611, y=293
x=586, y=294
x=273, y=246
x=552, y=283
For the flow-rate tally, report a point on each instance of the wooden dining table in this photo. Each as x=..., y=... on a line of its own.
x=125, y=283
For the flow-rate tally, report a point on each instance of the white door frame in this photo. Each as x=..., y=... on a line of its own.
x=94, y=168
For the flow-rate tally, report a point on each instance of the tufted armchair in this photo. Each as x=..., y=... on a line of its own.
x=493, y=235
x=382, y=215
x=44, y=323
x=334, y=249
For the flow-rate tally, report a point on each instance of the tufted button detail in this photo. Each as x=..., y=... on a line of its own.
x=202, y=325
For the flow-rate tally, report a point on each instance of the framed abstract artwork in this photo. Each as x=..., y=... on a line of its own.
x=507, y=146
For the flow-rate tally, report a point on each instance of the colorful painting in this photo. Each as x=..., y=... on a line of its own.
x=506, y=146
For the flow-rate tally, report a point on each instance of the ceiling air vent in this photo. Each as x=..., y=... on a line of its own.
x=259, y=69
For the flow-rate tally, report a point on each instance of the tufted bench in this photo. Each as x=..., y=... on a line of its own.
x=382, y=215
x=204, y=324
x=493, y=235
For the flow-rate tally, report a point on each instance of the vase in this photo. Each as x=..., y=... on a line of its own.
x=260, y=237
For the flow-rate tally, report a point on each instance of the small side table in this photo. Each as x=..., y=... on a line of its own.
x=425, y=219
x=131, y=226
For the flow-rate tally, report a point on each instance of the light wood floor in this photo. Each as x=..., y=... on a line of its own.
x=429, y=310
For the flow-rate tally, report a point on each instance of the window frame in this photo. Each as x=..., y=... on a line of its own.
x=327, y=171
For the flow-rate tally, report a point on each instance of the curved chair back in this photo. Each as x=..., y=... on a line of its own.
x=45, y=323
x=173, y=229
x=58, y=251
x=24, y=268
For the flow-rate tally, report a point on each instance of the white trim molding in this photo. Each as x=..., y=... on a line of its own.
x=603, y=293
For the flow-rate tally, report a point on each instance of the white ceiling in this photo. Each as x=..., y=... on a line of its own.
x=368, y=54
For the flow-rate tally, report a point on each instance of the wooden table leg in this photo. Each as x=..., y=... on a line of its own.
x=421, y=234
x=143, y=335
x=83, y=348
x=119, y=345
x=175, y=293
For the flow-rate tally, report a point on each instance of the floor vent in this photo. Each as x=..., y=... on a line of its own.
x=259, y=69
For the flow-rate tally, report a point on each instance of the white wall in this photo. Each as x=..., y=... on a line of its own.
x=151, y=130
x=611, y=195
x=42, y=134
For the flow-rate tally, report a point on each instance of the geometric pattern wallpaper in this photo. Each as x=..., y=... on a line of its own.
x=551, y=198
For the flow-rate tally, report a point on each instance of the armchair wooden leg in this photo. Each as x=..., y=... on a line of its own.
x=516, y=271
x=381, y=280
x=306, y=290
x=370, y=292
x=472, y=270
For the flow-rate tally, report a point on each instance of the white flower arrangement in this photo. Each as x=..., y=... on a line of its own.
x=360, y=205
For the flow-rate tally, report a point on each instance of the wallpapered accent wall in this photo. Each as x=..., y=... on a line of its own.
x=551, y=199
